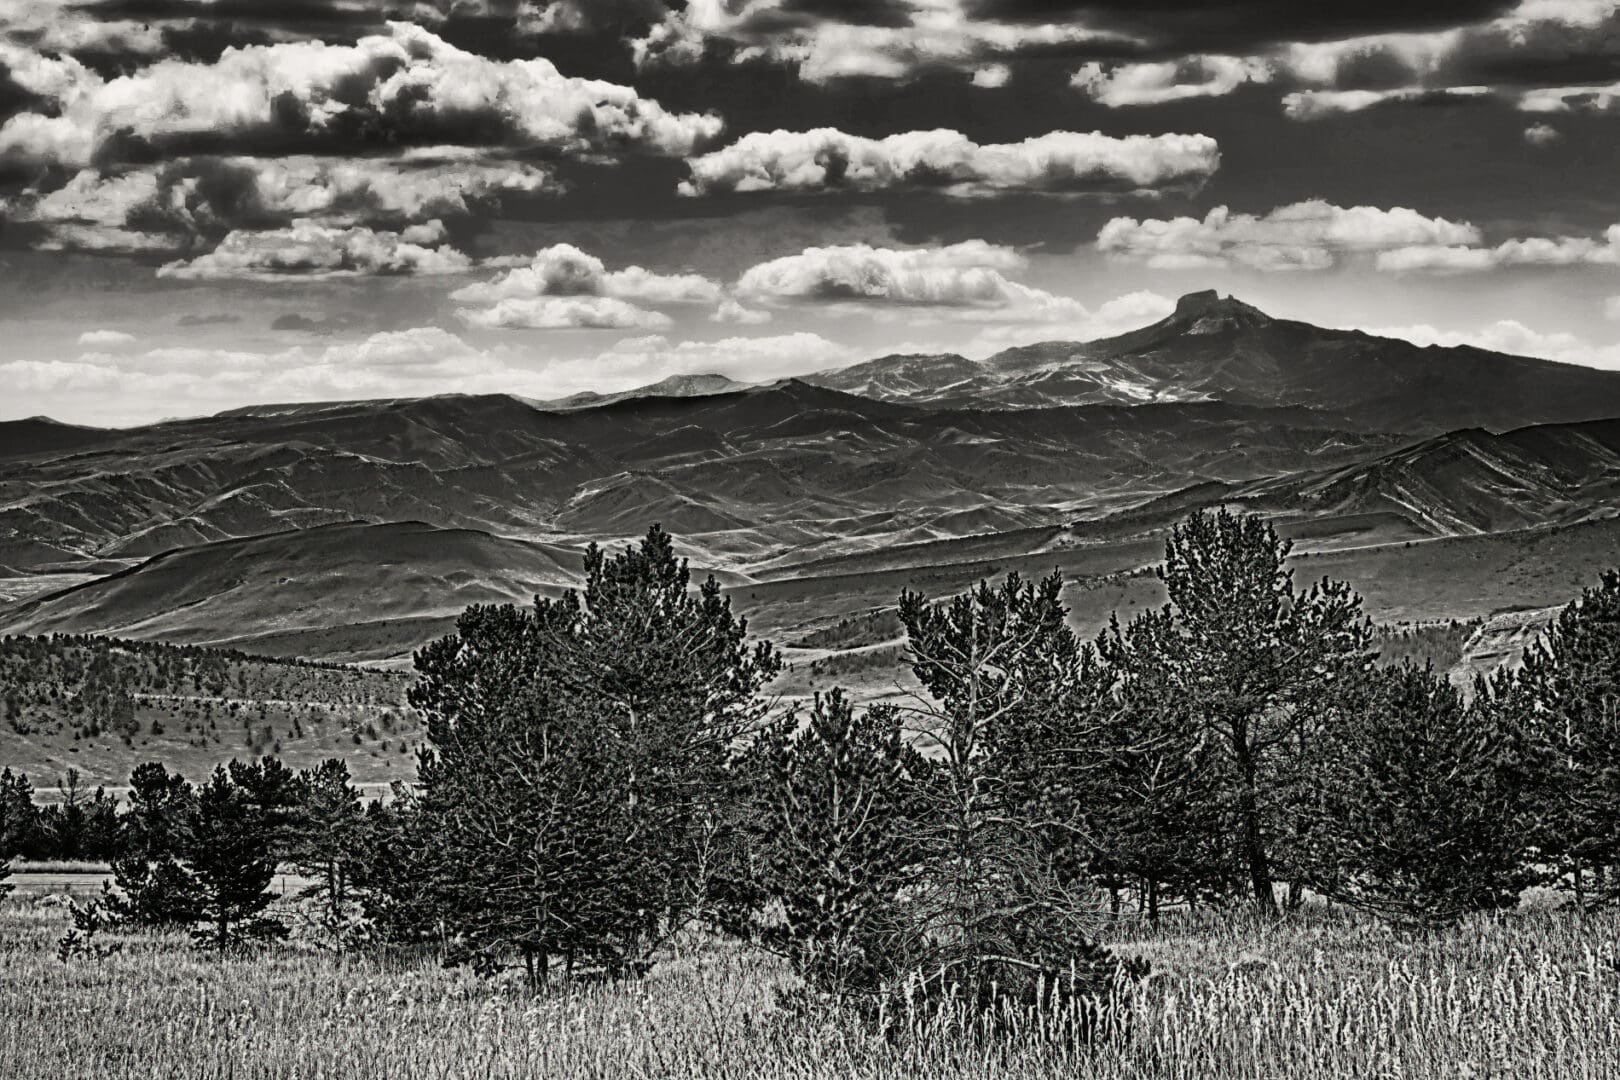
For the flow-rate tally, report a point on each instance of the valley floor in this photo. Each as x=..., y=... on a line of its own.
x=1321, y=995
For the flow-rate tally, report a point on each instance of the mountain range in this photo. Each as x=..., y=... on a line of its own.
x=355, y=530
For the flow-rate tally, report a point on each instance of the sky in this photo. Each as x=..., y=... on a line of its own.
x=211, y=203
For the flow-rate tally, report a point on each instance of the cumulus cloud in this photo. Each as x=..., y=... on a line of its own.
x=310, y=250
x=190, y=202
x=1566, y=99
x=1542, y=135
x=106, y=339
x=1530, y=251
x=730, y=311
x=563, y=287
x=1317, y=104
x=1302, y=236
x=565, y=313
x=1155, y=84
x=882, y=39
x=827, y=159
x=966, y=282
x=407, y=86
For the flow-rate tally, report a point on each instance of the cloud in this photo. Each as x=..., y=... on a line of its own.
x=565, y=313
x=309, y=250
x=1568, y=99
x=991, y=76
x=966, y=282
x=563, y=287
x=1531, y=251
x=193, y=201
x=827, y=159
x=1317, y=104
x=1542, y=135
x=405, y=87
x=1302, y=236
x=106, y=339
x=1611, y=308
x=1155, y=84
x=882, y=39
x=730, y=311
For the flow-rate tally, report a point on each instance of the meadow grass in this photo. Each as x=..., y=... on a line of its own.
x=1319, y=995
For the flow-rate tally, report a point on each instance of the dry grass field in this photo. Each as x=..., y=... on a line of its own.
x=1535, y=995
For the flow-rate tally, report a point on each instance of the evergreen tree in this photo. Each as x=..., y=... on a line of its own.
x=328, y=836
x=1156, y=780
x=19, y=817
x=228, y=849
x=153, y=888
x=668, y=684
x=1255, y=662
x=579, y=774
x=1568, y=697
x=1422, y=814
x=1002, y=912
x=835, y=824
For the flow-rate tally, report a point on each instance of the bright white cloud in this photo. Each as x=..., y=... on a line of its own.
x=1317, y=104
x=967, y=281
x=407, y=83
x=1542, y=135
x=106, y=339
x=1532, y=251
x=309, y=250
x=563, y=287
x=564, y=313
x=730, y=311
x=1302, y=236
x=935, y=34
x=1155, y=84
x=827, y=159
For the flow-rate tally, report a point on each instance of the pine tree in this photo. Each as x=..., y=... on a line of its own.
x=153, y=888
x=1568, y=697
x=835, y=822
x=578, y=775
x=1156, y=781
x=1002, y=915
x=1422, y=814
x=327, y=836
x=1255, y=661
x=228, y=849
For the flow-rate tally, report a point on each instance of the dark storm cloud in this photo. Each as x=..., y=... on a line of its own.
x=1241, y=25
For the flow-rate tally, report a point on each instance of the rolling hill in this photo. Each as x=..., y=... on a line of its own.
x=743, y=476
x=340, y=592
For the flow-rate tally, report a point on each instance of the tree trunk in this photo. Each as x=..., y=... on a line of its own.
x=1254, y=847
x=1153, y=900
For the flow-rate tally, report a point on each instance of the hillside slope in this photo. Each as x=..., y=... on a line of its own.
x=351, y=592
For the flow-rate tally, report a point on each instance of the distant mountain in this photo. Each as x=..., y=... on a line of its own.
x=674, y=386
x=1215, y=348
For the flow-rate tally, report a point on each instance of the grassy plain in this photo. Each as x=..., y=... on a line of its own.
x=1324, y=994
